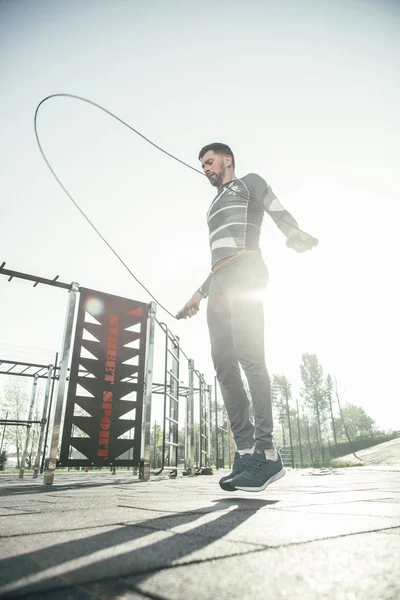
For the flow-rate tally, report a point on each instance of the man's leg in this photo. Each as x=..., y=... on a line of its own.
x=227, y=369
x=247, y=317
x=264, y=465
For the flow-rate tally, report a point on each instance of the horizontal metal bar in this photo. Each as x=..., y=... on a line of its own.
x=171, y=420
x=25, y=423
x=23, y=364
x=174, y=444
x=172, y=397
x=173, y=355
x=35, y=278
x=173, y=376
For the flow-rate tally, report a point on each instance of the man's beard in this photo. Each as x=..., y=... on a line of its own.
x=216, y=179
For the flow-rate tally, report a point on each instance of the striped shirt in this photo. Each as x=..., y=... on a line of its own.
x=235, y=218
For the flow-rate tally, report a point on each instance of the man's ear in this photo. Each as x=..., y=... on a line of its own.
x=228, y=160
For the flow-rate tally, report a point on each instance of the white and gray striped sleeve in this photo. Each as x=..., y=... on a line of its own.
x=262, y=194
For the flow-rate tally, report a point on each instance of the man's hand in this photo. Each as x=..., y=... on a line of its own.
x=191, y=308
x=301, y=241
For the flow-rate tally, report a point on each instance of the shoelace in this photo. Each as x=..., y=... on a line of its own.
x=254, y=464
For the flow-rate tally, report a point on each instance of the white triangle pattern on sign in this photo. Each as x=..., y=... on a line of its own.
x=89, y=319
x=136, y=328
x=80, y=412
x=88, y=336
x=80, y=391
x=86, y=354
x=135, y=344
x=77, y=432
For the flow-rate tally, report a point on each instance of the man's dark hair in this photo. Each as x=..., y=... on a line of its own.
x=219, y=149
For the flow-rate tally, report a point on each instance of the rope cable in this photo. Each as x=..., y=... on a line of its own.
x=108, y=112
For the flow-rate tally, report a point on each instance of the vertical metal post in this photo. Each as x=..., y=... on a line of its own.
x=147, y=394
x=174, y=404
x=333, y=419
x=43, y=424
x=62, y=383
x=189, y=422
x=229, y=443
x=289, y=425
x=164, y=420
x=4, y=431
x=309, y=443
x=28, y=427
x=201, y=419
x=216, y=426
x=49, y=413
x=155, y=444
x=209, y=392
x=298, y=429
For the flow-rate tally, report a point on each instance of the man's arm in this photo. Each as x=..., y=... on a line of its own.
x=192, y=306
x=205, y=287
x=262, y=194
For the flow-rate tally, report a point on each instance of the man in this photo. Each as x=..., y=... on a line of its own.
x=235, y=310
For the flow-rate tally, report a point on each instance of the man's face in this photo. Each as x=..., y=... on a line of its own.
x=214, y=167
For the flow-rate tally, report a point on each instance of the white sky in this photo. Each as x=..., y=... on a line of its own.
x=306, y=92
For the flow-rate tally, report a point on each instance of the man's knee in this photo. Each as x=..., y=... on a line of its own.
x=253, y=363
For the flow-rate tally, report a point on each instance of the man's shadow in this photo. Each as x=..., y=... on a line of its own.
x=109, y=572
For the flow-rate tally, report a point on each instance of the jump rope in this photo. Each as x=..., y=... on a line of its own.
x=312, y=241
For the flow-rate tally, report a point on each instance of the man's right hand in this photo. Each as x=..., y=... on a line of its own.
x=191, y=307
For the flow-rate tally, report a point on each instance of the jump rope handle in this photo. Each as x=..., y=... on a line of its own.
x=183, y=313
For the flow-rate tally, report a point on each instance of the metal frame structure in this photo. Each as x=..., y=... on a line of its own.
x=171, y=389
x=220, y=431
x=37, y=371
x=204, y=441
x=171, y=393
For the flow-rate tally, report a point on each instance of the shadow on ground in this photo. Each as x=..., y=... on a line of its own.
x=87, y=563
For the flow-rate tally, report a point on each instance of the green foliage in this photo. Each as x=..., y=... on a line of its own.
x=281, y=390
x=15, y=403
x=3, y=460
x=357, y=421
x=313, y=390
x=156, y=446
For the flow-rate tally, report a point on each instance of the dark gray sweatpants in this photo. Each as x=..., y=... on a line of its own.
x=235, y=319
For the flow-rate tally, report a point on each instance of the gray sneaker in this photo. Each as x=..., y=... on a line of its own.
x=239, y=465
x=259, y=473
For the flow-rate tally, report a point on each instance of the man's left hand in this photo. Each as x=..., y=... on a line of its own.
x=301, y=241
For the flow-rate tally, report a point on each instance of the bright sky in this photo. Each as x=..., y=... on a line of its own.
x=306, y=92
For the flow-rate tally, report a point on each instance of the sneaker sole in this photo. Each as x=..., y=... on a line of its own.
x=227, y=486
x=261, y=488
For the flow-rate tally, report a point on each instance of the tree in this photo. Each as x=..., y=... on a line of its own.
x=358, y=423
x=329, y=391
x=156, y=438
x=3, y=460
x=281, y=396
x=313, y=392
x=16, y=404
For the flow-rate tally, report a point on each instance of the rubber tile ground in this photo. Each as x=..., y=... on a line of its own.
x=315, y=534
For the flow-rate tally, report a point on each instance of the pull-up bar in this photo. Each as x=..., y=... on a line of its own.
x=16, y=274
